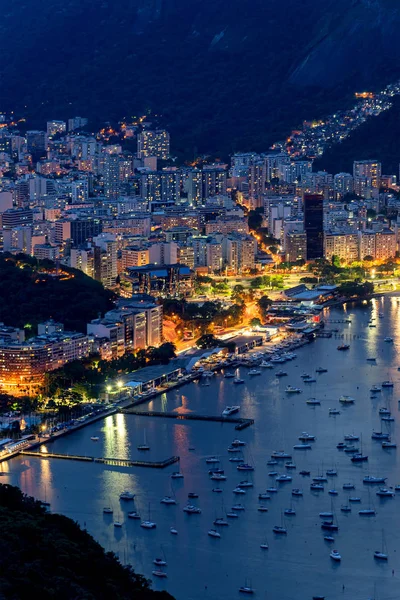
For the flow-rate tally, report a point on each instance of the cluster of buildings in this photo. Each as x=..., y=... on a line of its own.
x=133, y=325
x=137, y=224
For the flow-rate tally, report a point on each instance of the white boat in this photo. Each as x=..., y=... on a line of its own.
x=95, y=438
x=372, y=479
x=221, y=522
x=335, y=556
x=320, y=479
x=280, y=454
x=190, y=509
x=272, y=490
x=262, y=508
x=266, y=365
x=117, y=524
x=254, y=372
x=321, y=370
x=309, y=380
x=144, y=447
x=236, y=459
x=290, y=465
x=385, y=493
x=345, y=508
x=387, y=384
x=306, y=437
x=218, y=477
x=168, y=500
x=313, y=402
x=380, y=435
x=348, y=486
x=264, y=496
x=346, y=400
x=237, y=442
x=329, y=538
x=245, y=467
x=126, y=495
x=148, y=524
x=232, y=515
x=229, y=375
x=389, y=445
x=280, y=374
x=173, y=531
x=334, y=411
x=305, y=376
x=380, y=555
x=367, y=512
x=331, y=472
x=245, y=589
x=350, y=437
x=158, y=573
x=176, y=475
x=289, y=511
x=239, y=490
x=297, y=492
x=326, y=515
x=212, y=460
x=284, y=477
x=384, y=411
x=214, y=533
x=292, y=390
x=133, y=515
x=246, y=484
x=372, y=359
x=237, y=380
x=160, y=562
x=230, y=410
x=264, y=546
x=238, y=507
x=388, y=419
x=279, y=529
x=302, y=447
x=375, y=389
x=107, y=510
x=388, y=339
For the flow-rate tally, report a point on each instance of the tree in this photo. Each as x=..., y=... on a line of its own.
x=255, y=219
x=255, y=322
x=264, y=304
x=368, y=258
x=336, y=261
x=207, y=341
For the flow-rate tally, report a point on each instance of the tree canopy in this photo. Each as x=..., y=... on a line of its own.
x=32, y=292
x=48, y=556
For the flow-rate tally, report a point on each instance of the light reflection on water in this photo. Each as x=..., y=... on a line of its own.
x=295, y=567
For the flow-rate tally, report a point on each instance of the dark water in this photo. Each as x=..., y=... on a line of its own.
x=296, y=566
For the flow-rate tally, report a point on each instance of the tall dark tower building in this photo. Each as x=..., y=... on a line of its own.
x=314, y=225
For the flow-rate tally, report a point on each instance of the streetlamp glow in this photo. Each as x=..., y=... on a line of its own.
x=108, y=388
x=119, y=384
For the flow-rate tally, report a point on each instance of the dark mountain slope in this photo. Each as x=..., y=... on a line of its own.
x=225, y=75
x=377, y=139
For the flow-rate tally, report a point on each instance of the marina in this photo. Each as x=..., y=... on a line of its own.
x=297, y=562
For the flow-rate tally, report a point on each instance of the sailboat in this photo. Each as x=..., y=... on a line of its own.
x=280, y=529
x=264, y=545
x=367, y=512
x=148, y=524
x=118, y=522
x=381, y=554
x=144, y=446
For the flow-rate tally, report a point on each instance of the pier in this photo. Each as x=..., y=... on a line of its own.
x=239, y=422
x=114, y=462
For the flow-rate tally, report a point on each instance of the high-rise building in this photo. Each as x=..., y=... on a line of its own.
x=80, y=191
x=295, y=246
x=105, y=259
x=214, y=181
x=83, y=259
x=314, y=225
x=111, y=176
x=368, y=169
x=343, y=245
x=153, y=143
x=343, y=183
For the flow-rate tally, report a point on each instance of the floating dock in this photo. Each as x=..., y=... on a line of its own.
x=115, y=462
x=239, y=422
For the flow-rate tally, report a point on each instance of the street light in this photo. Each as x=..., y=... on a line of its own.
x=108, y=389
x=119, y=384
